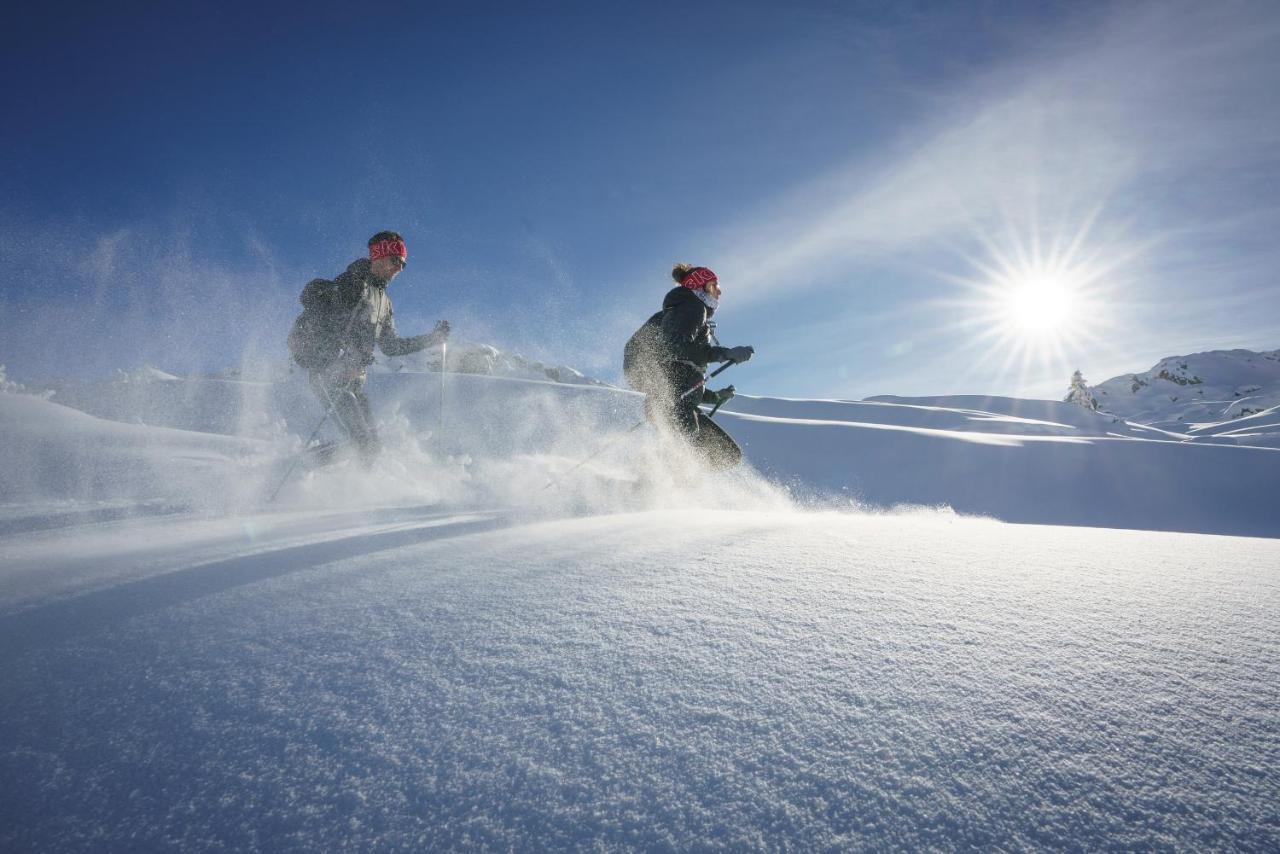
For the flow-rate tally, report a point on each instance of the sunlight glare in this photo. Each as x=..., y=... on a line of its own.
x=1033, y=302
x=1040, y=304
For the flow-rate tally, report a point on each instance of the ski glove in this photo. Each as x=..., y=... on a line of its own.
x=438, y=335
x=739, y=354
x=721, y=397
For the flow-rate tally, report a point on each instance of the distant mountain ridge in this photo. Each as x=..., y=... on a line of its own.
x=464, y=358
x=1184, y=393
x=484, y=359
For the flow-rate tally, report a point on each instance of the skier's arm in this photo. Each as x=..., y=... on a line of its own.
x=681, y=324
x=393, y=345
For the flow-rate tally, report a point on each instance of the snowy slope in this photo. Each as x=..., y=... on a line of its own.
x=55, y=453
x=444, y=654
x=1011, y=467
x=1260, y=428
x=1202, y=388
x=655, y=681
x=1016, y=460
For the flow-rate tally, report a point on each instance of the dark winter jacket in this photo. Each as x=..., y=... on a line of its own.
x=345, y=318
x=673, y=346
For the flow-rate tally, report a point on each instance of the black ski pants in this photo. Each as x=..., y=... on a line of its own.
x=666, y=410
x=348, y=403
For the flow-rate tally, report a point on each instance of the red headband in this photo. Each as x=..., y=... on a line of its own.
x=383, y=248
x=698, y=278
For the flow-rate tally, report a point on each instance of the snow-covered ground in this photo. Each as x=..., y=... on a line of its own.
x=1017, y=460
x=447, y=652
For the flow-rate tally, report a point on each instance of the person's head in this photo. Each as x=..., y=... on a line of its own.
x=697, y=279
x=387, y=255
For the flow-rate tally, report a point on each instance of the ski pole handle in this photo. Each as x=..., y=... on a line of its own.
x=703, y=382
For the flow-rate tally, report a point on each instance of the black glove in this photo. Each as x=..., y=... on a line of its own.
x=739, y=354
x=721, y=397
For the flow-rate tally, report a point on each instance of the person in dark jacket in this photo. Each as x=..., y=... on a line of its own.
x=342, y=321
x=667, y=357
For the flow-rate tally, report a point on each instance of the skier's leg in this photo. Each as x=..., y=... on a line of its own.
x=685, y=421
x=334, y=398
x=661, y=408
x=367, y=440
x=717, y=446
x=350, y=407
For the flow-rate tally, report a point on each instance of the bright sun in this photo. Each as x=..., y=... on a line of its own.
x=1031, y=303
x=1039, y=304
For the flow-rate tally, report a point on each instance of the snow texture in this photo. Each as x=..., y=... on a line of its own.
x=662, y=680
x=477, y=645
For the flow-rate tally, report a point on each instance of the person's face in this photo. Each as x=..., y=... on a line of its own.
x=713, y=288
x=387, y=267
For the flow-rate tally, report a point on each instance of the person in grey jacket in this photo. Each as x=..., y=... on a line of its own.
x=342, y=321
x=668, y=356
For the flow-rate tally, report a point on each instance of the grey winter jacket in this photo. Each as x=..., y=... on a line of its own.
x=346, y=318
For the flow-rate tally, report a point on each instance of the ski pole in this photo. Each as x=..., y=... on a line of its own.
x=298, y=457
x=716, y=408
x=444, y=349
x=703, y=383
x=634, y=427
x=332, y=409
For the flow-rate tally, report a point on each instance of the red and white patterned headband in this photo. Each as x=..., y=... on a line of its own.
x=698, y=278
x=383, y=248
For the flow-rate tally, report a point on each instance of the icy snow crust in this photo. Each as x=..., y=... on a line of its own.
x=474, y=646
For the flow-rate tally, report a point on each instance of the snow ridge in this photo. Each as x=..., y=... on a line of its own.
x=1201, y=388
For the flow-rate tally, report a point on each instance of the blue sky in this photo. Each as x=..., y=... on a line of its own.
x=878, y=185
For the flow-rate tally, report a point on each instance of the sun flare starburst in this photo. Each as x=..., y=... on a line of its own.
x=1033, y=309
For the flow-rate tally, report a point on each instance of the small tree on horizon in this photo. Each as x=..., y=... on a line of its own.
x=1080, y=394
